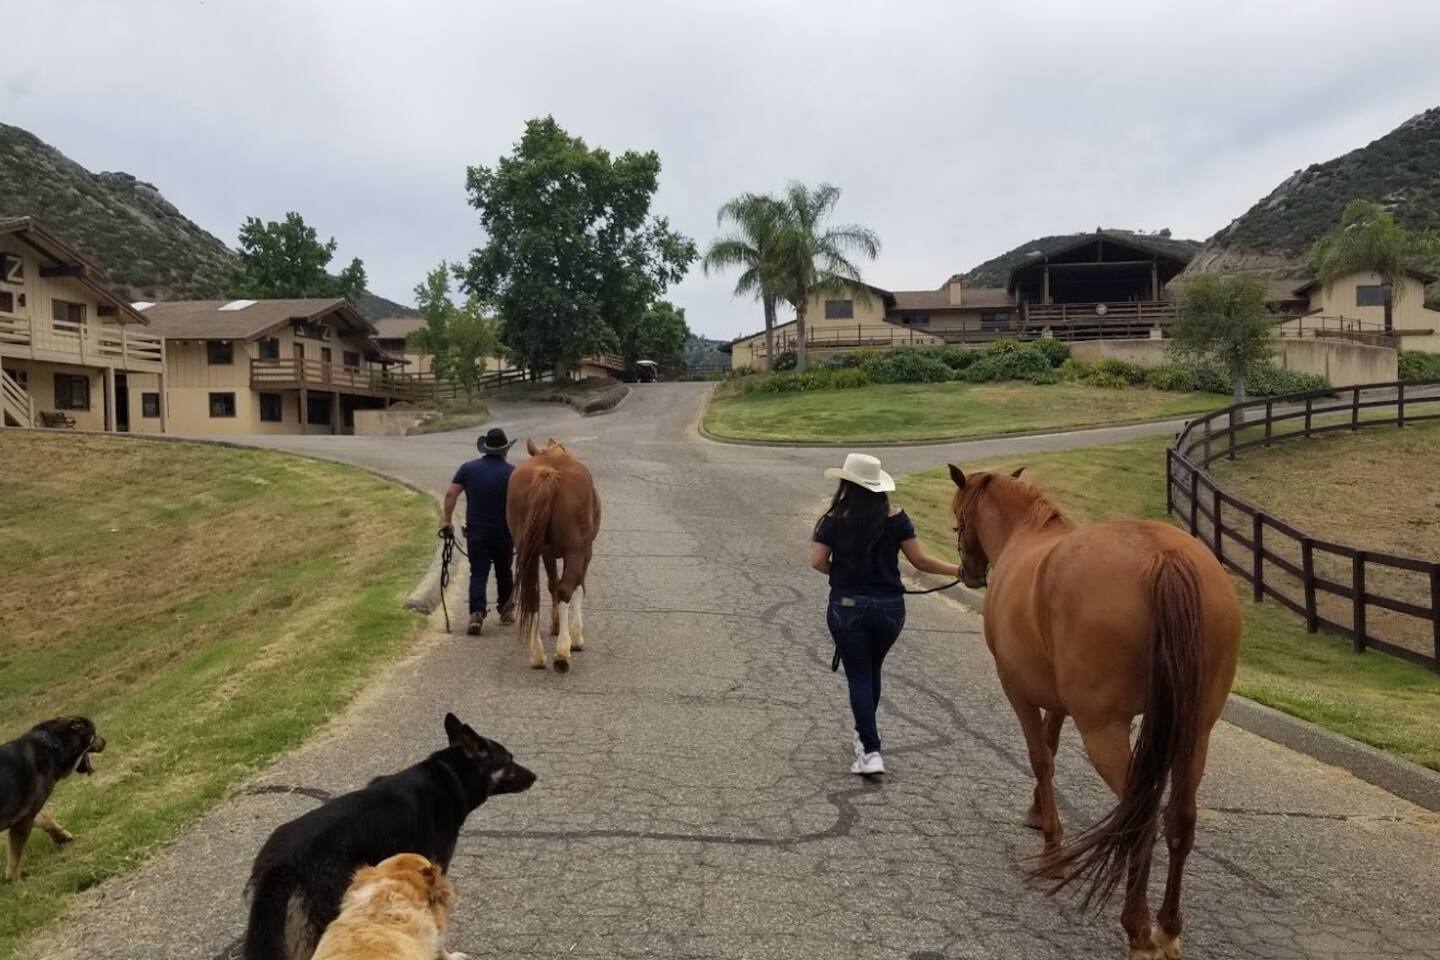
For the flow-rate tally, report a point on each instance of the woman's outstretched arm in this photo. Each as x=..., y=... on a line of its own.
x=820, y=557
x=921, y=560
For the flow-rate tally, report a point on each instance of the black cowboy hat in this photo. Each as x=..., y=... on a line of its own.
x=494, y=441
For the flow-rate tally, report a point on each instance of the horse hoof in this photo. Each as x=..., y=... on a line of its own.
x=1168, y=946
x=577, y=645
x=562, y=666
x=1032, y=819
x=539, y=664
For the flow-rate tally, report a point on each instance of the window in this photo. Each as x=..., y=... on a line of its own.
x=352, y=358
x=995, y=321
x=269, y=348
x=219, y=353
x=271, y=408
x=1369, y=295
x=916, y=319
x=150, y=406
x=222, y=405
x=7, y=301
x=839, y=309
x=12, y=268
x=67, y=312
x=72, y=392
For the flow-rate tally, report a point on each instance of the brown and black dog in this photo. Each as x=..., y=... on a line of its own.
x=30, y=766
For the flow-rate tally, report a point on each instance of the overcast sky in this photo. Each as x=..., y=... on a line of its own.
x=956, y=129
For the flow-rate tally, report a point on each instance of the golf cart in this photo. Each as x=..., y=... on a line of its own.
x=647, y=371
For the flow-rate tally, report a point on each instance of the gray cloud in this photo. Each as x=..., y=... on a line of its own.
x=957, y=130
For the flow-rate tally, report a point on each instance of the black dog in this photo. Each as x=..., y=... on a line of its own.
x=305, y=867
x=30, y=766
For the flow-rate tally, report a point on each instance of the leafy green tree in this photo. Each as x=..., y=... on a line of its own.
x=1369, y=239
x=572, y=253
x=660, y=334
x=815, y=259
x=1223, y=320
x=753, y=248
x=287, y=260
x=459, y=340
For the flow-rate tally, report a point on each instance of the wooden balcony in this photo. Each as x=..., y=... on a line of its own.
x=362, y=381
x=87, y=344
x=1098, y=321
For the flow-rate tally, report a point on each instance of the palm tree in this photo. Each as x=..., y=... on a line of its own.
x=752, y=248
x=1369, y=239
x=812, y=258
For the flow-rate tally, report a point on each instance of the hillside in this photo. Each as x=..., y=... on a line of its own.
x=702, y=353
x=996, y=271
x=1400, y=170
x=146, y=248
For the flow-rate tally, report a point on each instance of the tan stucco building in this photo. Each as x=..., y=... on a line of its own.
x=71, y=352
x=271, y=366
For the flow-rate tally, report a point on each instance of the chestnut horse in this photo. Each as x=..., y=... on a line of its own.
x=1102, y=622
x=553, y=513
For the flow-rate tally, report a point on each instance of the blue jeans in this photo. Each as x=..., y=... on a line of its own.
x=865, y=628
x=487, y=549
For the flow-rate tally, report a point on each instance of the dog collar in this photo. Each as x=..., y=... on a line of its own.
x=51, y=741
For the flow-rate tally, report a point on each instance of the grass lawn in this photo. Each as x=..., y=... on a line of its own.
x=207, y=607
x=1371, y=697
x=456, y=414
x=932, y=411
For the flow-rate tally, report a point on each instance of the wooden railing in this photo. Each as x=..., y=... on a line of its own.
x=1379, y=600
x=16, y=402
x=1095, y=321
x=102, y=344
x=1369, y=332
x=14, y=330
x=325, y=376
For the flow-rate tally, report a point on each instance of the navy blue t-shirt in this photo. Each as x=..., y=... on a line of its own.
x=486, y=482
x=877, y=576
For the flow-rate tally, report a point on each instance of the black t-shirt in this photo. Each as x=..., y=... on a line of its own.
x=486, y=482
x=876, y=576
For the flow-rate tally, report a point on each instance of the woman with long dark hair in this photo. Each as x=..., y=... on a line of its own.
x=857, y=543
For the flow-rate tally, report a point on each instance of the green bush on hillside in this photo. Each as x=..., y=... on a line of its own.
x=905, y=365
x=1418, y=365
x=1116, y=374
x=1274, y=382
x=1055, y=351
x=821, y=378
x=785, y=360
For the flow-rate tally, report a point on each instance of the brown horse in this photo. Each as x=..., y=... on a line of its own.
x=554, y=514
x=1100, y=623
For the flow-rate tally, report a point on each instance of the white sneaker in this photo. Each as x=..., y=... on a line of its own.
x=859, y=746
x=868, y=765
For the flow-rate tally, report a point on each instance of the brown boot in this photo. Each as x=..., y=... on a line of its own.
x=477, y=622
x=507, y=613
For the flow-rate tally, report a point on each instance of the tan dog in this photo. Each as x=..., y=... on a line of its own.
x=394, y=911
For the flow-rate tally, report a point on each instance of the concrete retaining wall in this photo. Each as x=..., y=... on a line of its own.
x=385, y=423
x=1343, y=364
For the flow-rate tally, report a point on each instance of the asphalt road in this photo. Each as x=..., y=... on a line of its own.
x=693, y=796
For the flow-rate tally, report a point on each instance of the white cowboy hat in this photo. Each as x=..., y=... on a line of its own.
x=864, y=470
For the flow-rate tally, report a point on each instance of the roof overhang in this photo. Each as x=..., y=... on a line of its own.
x=66, y=261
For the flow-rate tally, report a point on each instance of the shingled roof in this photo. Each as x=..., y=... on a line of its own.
x=245, y=319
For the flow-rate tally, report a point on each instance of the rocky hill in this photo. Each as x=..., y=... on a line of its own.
x=1400, y=170
x=147, y=249
x=995, y=272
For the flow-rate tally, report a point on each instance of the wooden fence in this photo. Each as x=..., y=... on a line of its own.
x=1379, y=600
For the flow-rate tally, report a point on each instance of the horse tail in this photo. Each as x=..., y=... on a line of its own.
x=530, y=541
x=1168, y=739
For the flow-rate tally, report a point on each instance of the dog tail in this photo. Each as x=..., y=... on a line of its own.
x=530, y=541
x=275, y=931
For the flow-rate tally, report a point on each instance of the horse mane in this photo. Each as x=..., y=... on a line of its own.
x=1040, y=511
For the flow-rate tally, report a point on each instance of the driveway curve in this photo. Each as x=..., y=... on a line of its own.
x=693, y=798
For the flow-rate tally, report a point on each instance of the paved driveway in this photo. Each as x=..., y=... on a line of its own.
x=693, y=798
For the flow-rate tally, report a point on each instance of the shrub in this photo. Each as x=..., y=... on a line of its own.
x=843, y=361
x=1073, y=369
x=785, y=360
x=1043, y=376
x=1107, y=380
x=1418, y=365
x=1273, y=381
x=1055, y=351
x=1110, y=370
x=956, y=358
x=794, y=381
x=904, y=365
x=1007, y=360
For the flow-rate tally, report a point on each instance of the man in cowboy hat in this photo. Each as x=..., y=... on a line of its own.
x=484, y=482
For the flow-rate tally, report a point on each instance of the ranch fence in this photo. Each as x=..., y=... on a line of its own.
x=1378, y=600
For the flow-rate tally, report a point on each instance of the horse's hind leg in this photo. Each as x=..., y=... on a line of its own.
x=1042, y=763
x=551, y=579
x=564, y=593
x=1054, y=722
x=1180, y=838
x=577, y=617
x=1108, y=744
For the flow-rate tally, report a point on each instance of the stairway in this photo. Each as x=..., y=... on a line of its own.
x=16, y=407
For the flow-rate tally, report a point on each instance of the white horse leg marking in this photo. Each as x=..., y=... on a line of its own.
x=577, y=619
x=562, y=640
x=537, y=649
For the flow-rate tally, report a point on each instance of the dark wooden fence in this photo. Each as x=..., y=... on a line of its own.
x=1379, y=600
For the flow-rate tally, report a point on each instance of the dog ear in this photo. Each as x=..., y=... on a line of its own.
x=365, y=875
x=462, y=736
x=1016, y=472
x=453, y=728
x=438, y=887
x=530, y=446
x=957, y=475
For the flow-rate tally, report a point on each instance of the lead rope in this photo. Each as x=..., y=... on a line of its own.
x=447, y=553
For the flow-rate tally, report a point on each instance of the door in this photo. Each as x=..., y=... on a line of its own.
x=122, y=403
